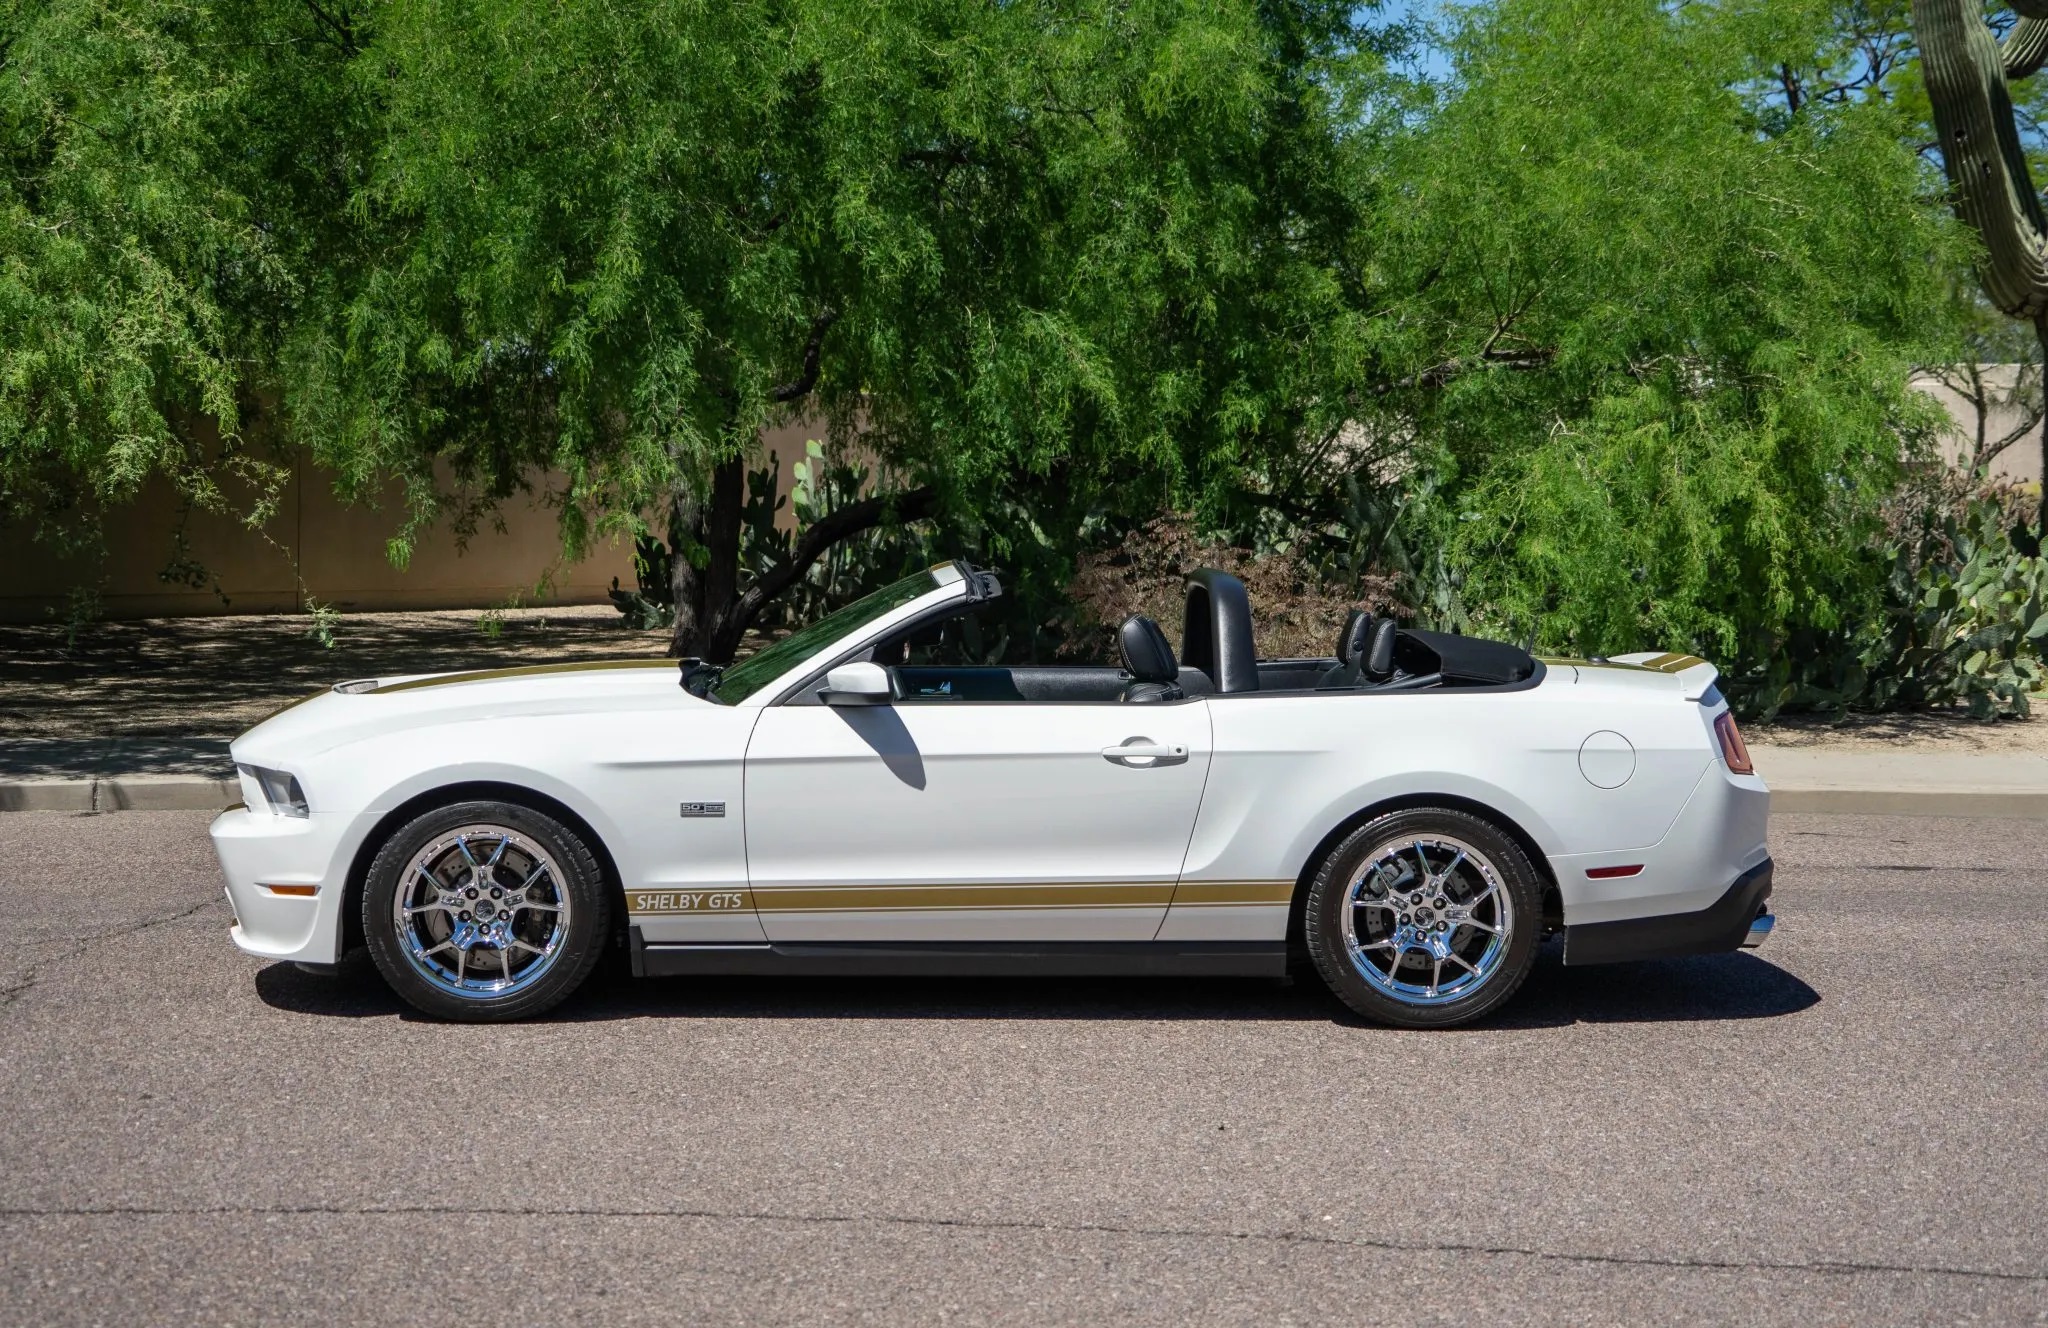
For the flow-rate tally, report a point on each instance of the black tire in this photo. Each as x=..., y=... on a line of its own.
x=1381, y=929
x=573, y=941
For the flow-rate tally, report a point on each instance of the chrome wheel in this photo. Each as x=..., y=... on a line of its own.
x=481, y=911
x=1427, y=920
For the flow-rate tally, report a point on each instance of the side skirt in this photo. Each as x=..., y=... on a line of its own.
x=1258, y=959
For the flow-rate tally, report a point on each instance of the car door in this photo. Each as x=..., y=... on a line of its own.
x=949, y=820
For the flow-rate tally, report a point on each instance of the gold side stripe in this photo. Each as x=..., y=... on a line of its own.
x=525, y=671
x=805, y=900
x=689, y=901
x=1234, y=892
x=918, y=898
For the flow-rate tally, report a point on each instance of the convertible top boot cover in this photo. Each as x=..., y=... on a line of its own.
x=1472, y=659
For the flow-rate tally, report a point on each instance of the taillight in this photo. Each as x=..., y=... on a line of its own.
x=1733, y=750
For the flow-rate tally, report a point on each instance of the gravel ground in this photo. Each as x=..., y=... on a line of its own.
x=184, y=678
x=1847, y=1126
x=1938, y=731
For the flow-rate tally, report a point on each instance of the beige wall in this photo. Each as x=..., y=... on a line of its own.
x=2021, y=461
x=339, y=551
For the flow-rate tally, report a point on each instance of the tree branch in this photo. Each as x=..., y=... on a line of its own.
x=801, y=385
x=343, y=29
x=1440, y=375
x=829, y=530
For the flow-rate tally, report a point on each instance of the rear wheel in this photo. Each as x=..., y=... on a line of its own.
x=485, y=911
x=1425, y=918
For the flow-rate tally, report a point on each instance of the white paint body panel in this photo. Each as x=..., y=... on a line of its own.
x=819, y=797
x=945, y=794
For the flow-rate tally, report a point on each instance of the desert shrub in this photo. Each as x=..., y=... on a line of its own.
x=1959, y=623
x=1295, y=610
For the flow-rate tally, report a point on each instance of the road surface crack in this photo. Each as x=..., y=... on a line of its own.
x=1831, y=1267
x=76, y=946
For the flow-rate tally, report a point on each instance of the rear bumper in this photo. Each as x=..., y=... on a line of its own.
x=1739, y=919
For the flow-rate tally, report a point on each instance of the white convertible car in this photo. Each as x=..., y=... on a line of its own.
x=1411, y=815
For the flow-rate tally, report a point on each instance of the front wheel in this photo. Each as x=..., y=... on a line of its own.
x=484, y=911
x=1424, y=918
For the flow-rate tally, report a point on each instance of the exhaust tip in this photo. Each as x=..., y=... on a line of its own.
x=1759, y=930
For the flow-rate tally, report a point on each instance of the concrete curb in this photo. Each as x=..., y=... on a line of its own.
x=1987, y=805
x=120, y=793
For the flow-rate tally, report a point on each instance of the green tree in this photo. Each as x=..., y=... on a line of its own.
x=128, y=264
x=1088, y=242
x=1658, y=338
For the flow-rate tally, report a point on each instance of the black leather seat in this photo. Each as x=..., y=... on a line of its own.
x=1377, y=665
x=1149, y=660
x=1353, y=639
x=1365, y=652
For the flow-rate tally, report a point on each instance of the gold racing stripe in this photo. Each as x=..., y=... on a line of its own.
x=524, y=671
x=949, y=898
x=1660, y=664
x=1672, y=663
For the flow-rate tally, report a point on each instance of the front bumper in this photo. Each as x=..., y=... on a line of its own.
x=1740, y=919
x=260, y=852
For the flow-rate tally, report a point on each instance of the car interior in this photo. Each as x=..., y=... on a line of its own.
x=1217, y=658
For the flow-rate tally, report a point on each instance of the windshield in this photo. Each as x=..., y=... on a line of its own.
x=764, y=666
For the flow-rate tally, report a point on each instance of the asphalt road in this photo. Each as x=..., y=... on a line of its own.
x=1848, y=1126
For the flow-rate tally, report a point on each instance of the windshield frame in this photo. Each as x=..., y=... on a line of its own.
x=802, y=651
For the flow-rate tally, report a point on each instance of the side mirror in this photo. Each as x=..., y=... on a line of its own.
x=857, y=685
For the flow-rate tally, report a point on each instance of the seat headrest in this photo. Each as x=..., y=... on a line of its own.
x=1147, y=655
x=1379, y=658
x=1355, y=636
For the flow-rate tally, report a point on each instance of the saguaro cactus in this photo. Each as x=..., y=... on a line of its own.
x=1967, y=71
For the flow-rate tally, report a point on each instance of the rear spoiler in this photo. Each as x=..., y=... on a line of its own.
x=1694, y=674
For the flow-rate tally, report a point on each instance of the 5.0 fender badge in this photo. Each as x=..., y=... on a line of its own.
x=703, y=809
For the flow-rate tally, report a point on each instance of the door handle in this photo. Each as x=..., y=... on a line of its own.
x=1144, y=749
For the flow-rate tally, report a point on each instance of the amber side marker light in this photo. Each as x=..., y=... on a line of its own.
x=1733, y=750
x=301, y=891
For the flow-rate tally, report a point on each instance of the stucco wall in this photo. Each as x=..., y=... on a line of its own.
x=2021, y=461
x=339, y=551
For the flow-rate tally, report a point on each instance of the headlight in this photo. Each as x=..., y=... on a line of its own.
x=280, y=790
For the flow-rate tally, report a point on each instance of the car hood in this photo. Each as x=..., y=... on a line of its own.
x=369, y=707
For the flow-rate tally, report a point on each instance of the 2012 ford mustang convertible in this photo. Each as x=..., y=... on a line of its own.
x=1411, y=815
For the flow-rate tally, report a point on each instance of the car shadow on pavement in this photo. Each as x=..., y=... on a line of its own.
x=1710, y=987
x=1703, y=987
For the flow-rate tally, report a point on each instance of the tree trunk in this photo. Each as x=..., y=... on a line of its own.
x=712, y=612
x=704, y=614
x=685, y=578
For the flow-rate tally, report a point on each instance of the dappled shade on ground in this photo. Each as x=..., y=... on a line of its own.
x=214, y=677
